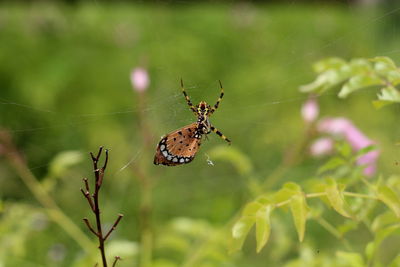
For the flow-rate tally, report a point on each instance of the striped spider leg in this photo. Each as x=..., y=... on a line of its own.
x=213, y=109
x=215, y=130
x=192, y=107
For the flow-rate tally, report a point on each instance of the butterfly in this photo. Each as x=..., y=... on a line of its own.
x=181, y=146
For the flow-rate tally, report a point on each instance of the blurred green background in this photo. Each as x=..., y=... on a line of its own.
x=65, y=90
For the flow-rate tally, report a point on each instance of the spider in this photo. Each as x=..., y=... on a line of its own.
x=181, y=146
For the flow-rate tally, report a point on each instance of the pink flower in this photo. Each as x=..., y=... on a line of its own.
x=343, y=127
x=322, y=146
x=140, y=79
x=310, y=110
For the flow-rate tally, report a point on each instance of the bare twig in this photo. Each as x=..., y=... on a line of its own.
x=115, y=260
x=114, y=226
x=93, y=201
x=89, y=198
x=85, y=180
x=89, y=226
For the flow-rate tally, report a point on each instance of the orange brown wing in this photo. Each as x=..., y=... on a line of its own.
x=178, y=147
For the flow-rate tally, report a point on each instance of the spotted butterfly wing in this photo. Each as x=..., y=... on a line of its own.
x=178, y=147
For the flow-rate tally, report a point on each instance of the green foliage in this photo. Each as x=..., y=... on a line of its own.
x=332, y=193
x=355, y=75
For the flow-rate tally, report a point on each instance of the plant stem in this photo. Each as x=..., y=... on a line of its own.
x=146, y=187
x=351, y=194
x=145, y=209
x=41, y=195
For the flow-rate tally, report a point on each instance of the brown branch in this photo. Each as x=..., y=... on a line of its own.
x=89, y=226
x=101, y=171
x=114, y=226
x=89, y=198
x=115, y=261
x=93, y=201
x=85, y=180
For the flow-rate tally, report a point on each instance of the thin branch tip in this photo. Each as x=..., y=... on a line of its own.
x=86, y=220
x=117, y=258
x=114, y=226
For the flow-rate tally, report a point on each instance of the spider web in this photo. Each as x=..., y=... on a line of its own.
x=170, y=103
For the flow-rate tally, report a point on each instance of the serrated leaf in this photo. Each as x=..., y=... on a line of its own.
x=336, y=198
x=240, y=230
x=299, y=209
x=358, y=82
x=263, y=226
x=332, y=164
x=390, y=198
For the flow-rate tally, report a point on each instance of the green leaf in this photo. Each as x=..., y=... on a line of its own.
x=299, y=209
x=240, y=231
x=390, y=198
x=358, y=82
x=286, y=192
x=383, y=64
x=238, y=159
x=251, y=209
x=295, y=188
x=332, y=164
x=380, y=236
x=329, y=63
x=383, y=220
x=332, y=71
x=365, y=150
x=385, y=67
x=336, y=199
x=263, y=226
x=389, y=94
